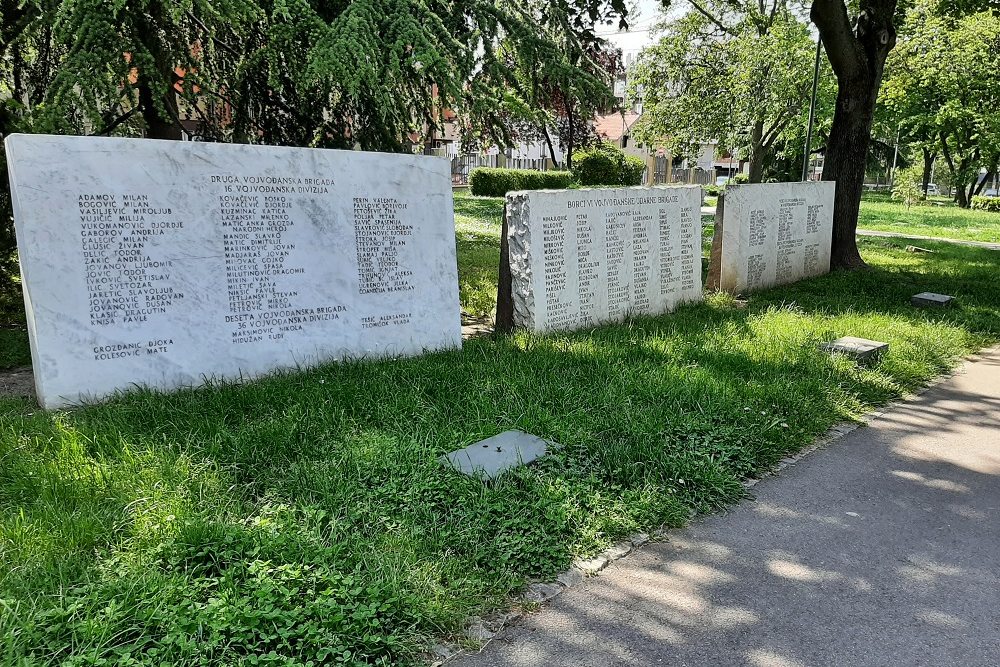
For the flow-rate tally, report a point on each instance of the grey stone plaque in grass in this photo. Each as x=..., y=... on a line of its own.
x=494, y=456
x=931, y=300
x=860, y=349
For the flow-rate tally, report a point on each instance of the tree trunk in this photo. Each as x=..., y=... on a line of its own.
x=569, y=137
x=928, y=166
x=846, y=154
x=756, y=161
x=989, y=176
x=962, y=196
x=857, y=51
x=548, y=142
x=158, y=127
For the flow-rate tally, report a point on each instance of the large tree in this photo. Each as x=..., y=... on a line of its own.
x=944, y=87
x=739, y=73
x=857, y=48
x=305, y=72
x=363, y=73
x=563, y=81
x=99, y=66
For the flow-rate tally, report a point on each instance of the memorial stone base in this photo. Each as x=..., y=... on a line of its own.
x=861, y=350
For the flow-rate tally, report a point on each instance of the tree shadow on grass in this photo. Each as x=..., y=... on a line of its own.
x=969, y=274
x=655, y=418
x=765, y=583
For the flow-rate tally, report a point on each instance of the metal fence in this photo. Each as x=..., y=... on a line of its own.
x=696, y=176
x=461, y=165
x=532, y=163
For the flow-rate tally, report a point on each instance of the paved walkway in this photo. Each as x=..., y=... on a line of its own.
x=882, y=549
x=897, y=235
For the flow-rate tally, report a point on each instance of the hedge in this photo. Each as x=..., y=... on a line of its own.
x=632, y=170
x=605, y=164
x=493, y=182
x=596, y=165
x=986, y=203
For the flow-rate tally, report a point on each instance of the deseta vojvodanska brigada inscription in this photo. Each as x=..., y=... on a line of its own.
x=582, y=257
x=163, y=264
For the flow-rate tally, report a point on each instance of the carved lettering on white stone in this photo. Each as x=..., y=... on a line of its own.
x=164, y=263
x=581, y=257
x=775, y=233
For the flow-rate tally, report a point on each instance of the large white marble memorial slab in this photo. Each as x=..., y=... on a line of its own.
x=581, y=257
x=165, y=263
x=772, y=234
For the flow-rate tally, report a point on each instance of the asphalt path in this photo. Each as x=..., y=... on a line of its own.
x=881, y=549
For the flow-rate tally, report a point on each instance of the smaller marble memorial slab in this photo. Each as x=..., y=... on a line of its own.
x=494, y=456
x=577, y=258
x=771, y=234
x=931, y=300
x=860, y=349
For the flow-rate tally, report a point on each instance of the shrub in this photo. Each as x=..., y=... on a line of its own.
x=605, y=164
x=740, y=178
x=492, y=182
x=711, y=190
x=632, y=170
x=981, y=203
x=11, y=304
x=599, y=165
x=907, y=187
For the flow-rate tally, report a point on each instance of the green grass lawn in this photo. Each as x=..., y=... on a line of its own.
x=305, y=517
x=477, y=228
x=937, y=218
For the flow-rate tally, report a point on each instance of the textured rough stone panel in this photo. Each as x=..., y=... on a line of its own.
x=582, y=257
x=714, y=280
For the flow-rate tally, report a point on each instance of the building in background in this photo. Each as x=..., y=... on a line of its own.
x=708, y=167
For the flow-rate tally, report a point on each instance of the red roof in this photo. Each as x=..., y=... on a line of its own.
x=613, y=126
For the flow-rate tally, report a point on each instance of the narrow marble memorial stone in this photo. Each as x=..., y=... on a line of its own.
x=772, y=234
x=164, y=263
x=581, y=257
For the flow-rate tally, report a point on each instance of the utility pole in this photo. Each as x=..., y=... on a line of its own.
x=895, y=154
x=812, y=110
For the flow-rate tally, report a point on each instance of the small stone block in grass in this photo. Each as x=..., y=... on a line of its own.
x=861, y=350
x=494, y=456
x=931, y=300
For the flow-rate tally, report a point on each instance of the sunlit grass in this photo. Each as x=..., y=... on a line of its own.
x=306, y=516
x=931, y=219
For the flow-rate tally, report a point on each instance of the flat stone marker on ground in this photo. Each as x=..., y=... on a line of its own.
x=577, y=258
x=860, y=349
x=498, y=454
x=771, y=234
x=163, y=263
x=931, y=300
